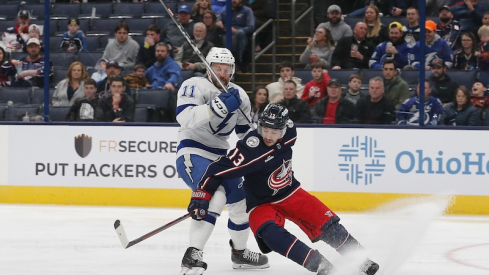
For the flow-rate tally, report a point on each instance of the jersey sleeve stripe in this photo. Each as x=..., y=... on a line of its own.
x=194, y=144
x=183, y=107
x=289, y=141
x=247, y=164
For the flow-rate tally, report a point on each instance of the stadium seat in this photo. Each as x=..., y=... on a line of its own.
x=5, y=24
x=186, y=74
x=59, y=74
x=156, y=9
x=162, y=22
x=9, y=12
x=465, y=78
x=410, y=76
x=103, y=26
x=368, y=74
x=140, y=115
x=89, y=59
x=67, y=10
x=19, y=96
x=17, y=113
x=3, y=112
x=138, y=25
x=127, y=10
x=159, y=98
x=343, y=75
x=304, y=75
x=58, y=113
x=38, y=96
x=62, y=60
x=54, y=43
x=36, y=10
x=102, y=9
x=93, y=43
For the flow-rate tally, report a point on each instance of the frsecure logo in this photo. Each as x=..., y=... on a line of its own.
x=361, y=160
x=83, y=145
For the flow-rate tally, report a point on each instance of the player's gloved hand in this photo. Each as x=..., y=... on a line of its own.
x=226, y=103
x=199, y=204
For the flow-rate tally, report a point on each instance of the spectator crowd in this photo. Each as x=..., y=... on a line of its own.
x=373, y=35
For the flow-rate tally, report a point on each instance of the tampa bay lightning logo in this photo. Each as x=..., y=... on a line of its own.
x=281, y=177
x=218, y=130
x=361, y=160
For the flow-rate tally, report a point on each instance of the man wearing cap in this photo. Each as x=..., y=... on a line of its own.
x=435, y=47
x=396, y=48
x=172, y=33
x=123, y=48
x=448, y=28
x=353, y=51
x=242, y=26
x=74, y=39
x=23, y=19
x=442, y=85
x=334, y=108
x=112, y=69
x=336, y=25
x=32, y=73
x=469, y=14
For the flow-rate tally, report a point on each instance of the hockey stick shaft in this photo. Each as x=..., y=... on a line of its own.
x=202, y=57
x=123, y=237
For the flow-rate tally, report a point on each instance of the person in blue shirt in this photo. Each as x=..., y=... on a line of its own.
x=395, y=48
x=74, y=39
x=409, y=114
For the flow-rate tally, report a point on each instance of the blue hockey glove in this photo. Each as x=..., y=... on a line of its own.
x=226, y=103
x=199, y=204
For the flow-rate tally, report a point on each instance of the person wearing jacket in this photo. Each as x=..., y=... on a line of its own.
x=353, y=51
x=316, y=88
x=299, y=110
x=460, y=111
x=71, y=88
x=408, y=114
x=398, y=49
x=275, y=89
x=116, y=106
x=123, y=49
x=334, y=109
x=396, y=90
x=375, y=108
x=165, y=73
x=442, y=85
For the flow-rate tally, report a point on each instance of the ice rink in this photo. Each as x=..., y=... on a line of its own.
x=410, y=237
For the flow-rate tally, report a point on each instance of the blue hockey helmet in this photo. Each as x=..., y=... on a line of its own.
x=274, y=116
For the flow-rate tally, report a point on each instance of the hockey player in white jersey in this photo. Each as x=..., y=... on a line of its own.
x=207, y=116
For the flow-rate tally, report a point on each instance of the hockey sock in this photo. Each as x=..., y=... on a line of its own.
x=281, y=241
x=338, y=237
x=200, y=231
x=239, y=234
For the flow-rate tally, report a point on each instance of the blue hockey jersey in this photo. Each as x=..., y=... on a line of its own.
x=267, y=170
x=438, y=49
x=408, y=114
x=379, y=55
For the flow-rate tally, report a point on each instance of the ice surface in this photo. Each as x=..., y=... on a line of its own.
x=408, y=238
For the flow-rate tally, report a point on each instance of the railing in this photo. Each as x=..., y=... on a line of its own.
x=296, y=21
x=255, y=56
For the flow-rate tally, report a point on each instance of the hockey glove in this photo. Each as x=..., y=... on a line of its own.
x=199, y=204
x=226, y=103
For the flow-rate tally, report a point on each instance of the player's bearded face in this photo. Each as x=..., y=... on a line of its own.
x=223, y=71
x=270, y=135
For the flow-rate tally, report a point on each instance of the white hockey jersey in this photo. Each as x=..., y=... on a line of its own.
x=201, y=133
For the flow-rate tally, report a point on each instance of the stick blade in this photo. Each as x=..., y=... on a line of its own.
x=119, y=229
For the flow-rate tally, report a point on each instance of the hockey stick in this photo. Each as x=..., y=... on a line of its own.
x=202, y=57
x=123, y=237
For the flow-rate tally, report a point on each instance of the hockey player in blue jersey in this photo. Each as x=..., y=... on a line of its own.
x=207, y=117
x=264, y=158
x=408, y=114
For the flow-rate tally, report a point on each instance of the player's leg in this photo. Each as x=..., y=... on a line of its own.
x=239, y=228
x=302, y=208
x=267, y=225
x=190, y=168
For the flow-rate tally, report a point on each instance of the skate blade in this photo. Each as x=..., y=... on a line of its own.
x=192, y=271
x=248, y=266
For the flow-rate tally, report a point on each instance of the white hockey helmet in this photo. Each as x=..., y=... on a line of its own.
x=221, y=55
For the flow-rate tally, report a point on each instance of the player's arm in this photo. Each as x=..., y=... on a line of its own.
x=242, y=125
x=195, y=110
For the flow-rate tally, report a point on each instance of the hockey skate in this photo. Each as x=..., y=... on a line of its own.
x=369, y=267
x=192, y=262
x=247, y=259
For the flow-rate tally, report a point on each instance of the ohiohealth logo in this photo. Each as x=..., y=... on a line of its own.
x=361, y=160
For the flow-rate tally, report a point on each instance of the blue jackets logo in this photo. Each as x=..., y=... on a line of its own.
x=361, y=160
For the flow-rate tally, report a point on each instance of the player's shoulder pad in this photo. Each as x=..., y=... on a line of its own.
x=290, y=123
